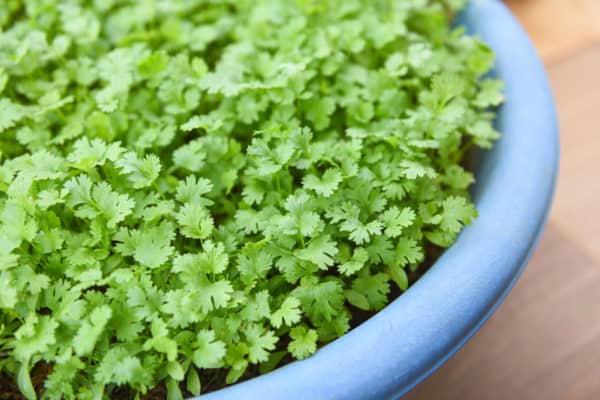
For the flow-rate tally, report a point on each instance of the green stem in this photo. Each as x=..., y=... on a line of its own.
x=331, y=161
x=302, y=241
x=155, y=186
x=278, y=183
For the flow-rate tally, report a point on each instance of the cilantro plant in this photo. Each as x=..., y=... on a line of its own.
x=190, y=186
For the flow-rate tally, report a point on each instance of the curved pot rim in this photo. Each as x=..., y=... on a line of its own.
x=397, y=348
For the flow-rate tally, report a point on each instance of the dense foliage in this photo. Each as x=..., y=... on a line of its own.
x=197, y=184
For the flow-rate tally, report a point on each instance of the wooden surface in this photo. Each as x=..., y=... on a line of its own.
x=559, y=27
x=544, y=341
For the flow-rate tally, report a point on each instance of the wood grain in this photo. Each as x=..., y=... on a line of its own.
x=559, y=27
x=544, y=341
x=576, y=84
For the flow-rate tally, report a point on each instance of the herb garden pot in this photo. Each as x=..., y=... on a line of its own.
x=401, y=345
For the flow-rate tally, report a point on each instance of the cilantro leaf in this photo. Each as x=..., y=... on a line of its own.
x=150, y=247
x=375, y=288
x=320, y=252
x=360, y=233
x=325, y=185
x=194, y=221
x=209, y=352
x=490, y=94
x=289, y=313
x=260, y=342
x=303, y=343
x=141, y=172
x=356, y=263
x=90, y=330
x=396, y=220
x=192, y=191
x=10, y=114
x=35, y=336
x=456, y=212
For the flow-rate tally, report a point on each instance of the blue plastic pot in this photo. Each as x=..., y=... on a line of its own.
x=396, y=349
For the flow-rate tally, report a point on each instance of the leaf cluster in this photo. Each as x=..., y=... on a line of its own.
x=196, y=184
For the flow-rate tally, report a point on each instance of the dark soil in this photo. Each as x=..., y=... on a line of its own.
x=8, y=386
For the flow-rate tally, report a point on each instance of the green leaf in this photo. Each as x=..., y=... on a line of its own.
x=112, y=206
x=10, y=114
x=167, y=347
x=173, y=391
x=270, y=160
x=8, y=292
x=407, y=252
x=97, y=200
x=175, y=371
x=361, y=233
x=355, y=264
x=481, y=59
x=490, y=94
x=375, y=288
x=253, y=264
x=396, y=64
x=17, y=226
x=190, y=156
x=140, y=172
x=301, y=219
x=274, y=359
x=215, y=295
x=326, y=185
x=357, y=299
x=192, y=191
x=414, y=170
x=447, y=86
x=289, y=313
x=35, y=336
x=303, y=343
x=320, y=252
x=213, y=260
x=456, y=213
x=150, y=247
x=193, y=382
x=61, y=379
x=320, y=299
x=87, y=154
x=260, y=342
x=483, y=133
x=153, y=64
x=396, y=220
x=257, y=307
x=120, y=367
x=90, y=330
x=319, y=111
x=209, y=352
x=194, y=221
x=399, y=276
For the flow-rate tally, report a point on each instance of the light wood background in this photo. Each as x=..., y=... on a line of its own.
x=544, y=341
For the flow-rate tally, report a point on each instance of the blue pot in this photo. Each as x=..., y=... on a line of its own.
x=397, y=348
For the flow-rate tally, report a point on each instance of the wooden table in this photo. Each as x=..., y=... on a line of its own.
x=544, y=341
